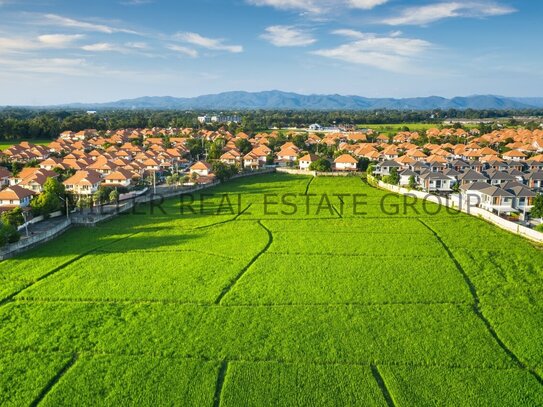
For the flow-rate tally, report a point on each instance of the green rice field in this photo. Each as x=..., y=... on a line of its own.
x=288, y=291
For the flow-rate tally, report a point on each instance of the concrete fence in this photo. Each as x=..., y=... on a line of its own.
x=294, y=171
x=33, y=241
x=457, y=203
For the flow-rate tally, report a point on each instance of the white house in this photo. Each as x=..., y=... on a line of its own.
x=15, y=196
x=307, y=160
x=345, y=162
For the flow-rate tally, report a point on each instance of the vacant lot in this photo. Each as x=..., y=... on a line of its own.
x=282, y=293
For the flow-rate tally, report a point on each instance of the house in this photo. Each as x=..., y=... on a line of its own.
x=15, y=196
x=405, y=177
x=83, y=183
x=50, y=164
x=499, y=178
x=230, y=158
x=534, y=180
x=251, y=161
x=345, y=162
x=496, y=199
x=36, y=181
x=524, y=197
x=386, y=167
x=201, y=168
x=514, y=155
x=4, y=177
x=287, y=156
x=436, y=182
x=307, y=160
x=118, y=178
x=472, y=176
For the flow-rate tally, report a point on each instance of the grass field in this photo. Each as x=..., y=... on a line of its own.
x=396, y=127
x=4, y=145
x=197, y=305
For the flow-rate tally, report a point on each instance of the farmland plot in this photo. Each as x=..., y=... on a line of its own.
x=200, y=304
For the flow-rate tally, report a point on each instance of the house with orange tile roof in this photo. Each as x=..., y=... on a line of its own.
x=201, y=168
x=119, y=178
x=252, y=161
x=307, y=160
x=514, y=155
x=15, y=196
x=83, y=183
x=345, y=162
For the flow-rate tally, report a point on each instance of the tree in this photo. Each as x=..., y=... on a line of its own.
x=537, y=210
x=8, y=234
x=363, y=164
x=13, y=217
x=101, y=195
x=244, y=146
x=114, y=196
x=370, y=169
x=51, y=199
x=321, y=165
x=393, y=178
x=412, y=182
x=223, y=171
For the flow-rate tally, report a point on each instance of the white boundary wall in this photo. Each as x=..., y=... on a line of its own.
x=470, y=210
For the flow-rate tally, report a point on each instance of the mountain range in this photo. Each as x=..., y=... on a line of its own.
x=277, y=100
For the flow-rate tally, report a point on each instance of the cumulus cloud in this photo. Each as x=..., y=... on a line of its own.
x=318, y=6
x=287, y=36
x=434, y=12
x=390, y=53
x=216, y=44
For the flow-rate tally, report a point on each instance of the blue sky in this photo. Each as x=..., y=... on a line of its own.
x=60, y=51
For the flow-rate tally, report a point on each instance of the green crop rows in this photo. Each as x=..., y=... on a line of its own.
x=244, y=301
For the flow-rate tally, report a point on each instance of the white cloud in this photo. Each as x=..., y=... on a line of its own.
x=183, y=50
x=60, y=66
x=216, y=44
x=60, y=21
x=136, y=2
x=434, y=12
x=100, y=47
x=50, y=41
x=59, y=40
x=287, y=36
x=390, y=53
x=318, y=6
x=126, y=48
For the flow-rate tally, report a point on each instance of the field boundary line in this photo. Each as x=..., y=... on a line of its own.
x=382, y=385
x=242, y=212
x=479, y=312
x=308, y=185
x=228, y=288
x=173, y=251
x=53, y=382
x=223, y=371
x=360, y=363
x=61, y=267
x=39, y=300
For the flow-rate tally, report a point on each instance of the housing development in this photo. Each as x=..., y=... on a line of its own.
x=271, y=203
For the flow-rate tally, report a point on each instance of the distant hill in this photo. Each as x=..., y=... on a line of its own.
x=277, y=100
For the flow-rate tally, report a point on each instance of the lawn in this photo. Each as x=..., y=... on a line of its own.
x=4, y=145
x=396, y=127
x=304, y=302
